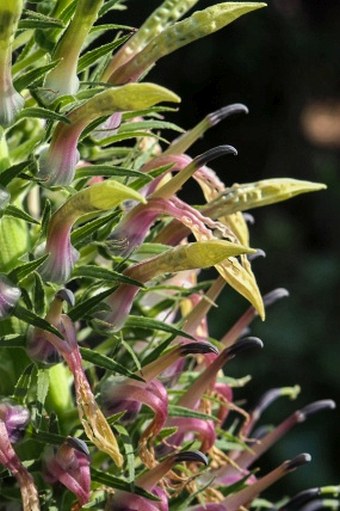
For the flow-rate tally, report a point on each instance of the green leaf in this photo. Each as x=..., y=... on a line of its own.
x=119, y=484
x=23, y=384
x=154, y=324
x=108, y=6
x=12, y=172
x=43, y=384
x=85, y=231
x=96, y=272
x=23, y=270
x=107, y=171
x=37, y=17
x=181, y=411
x=13, y=341
x=149, y=125
x=39, y=298
x=42, y=113
x=92, y=56
x=31, y=78
x=126, y=439
x=107, y=363
x=32, y=319
x=84, y=308
x=45, y=217
x=19, y=213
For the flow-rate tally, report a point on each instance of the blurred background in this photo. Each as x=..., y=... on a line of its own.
x=283, y=62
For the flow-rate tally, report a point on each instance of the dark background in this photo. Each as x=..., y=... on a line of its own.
x=283, y=62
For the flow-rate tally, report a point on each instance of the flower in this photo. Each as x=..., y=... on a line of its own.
x=184, y=257
x=9, y=295
x=70, y=465
x=63, y=78
x=123, y=501
x=13, y=419
x=57, y=163
x=11, y=102
x=192, y=397
x=61, y=254
x=94, y=423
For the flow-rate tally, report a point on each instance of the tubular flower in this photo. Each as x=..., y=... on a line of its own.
x=243, y=497
x=185, y=257
x=98, y=197
x=238, y=329
x=135, y=225
x=69, y=465
x=13, y=420
x=58, y=161
x=192, y=397
x=94, y=423
x=247, y=458
x=129, y=395
x=123, y=501
x=11, y=102
x=63, y=78
x=9, y=296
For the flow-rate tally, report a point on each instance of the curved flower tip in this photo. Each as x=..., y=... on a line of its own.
x=69, y=465
x=9, y=296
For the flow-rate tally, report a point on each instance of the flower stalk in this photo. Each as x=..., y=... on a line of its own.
x=11, y=102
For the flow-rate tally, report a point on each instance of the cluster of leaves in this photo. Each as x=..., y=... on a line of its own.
x=90, y=217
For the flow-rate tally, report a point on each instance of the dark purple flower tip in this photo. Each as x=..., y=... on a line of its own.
x=78, y=444
x=298, y=461
x=212, y=154
x=300, y=498
x=259, y=253
x=236, y=108
x=195, y=456
x=242, y=345
x=317, y=406
x=66, y=295
x=198, y=348
x=273, y=296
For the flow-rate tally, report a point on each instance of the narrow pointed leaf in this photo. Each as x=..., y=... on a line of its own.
x=31, y=318
x=105, y=362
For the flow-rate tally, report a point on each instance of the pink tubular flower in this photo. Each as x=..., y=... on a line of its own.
x=246, y=458
x=238, y=329
x=11, y=102
x=129, y=395
x=69, y=465
x=94, y=423
x=192, y=397
x=12, y=420
x=9, y=295
x=57, y=163
x=203, y=254
x=243, y=497
x=96, y=198
x=136, y=224
x=123, y=501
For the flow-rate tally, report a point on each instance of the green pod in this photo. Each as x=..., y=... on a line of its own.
x=166, y=14
x=200, y=24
